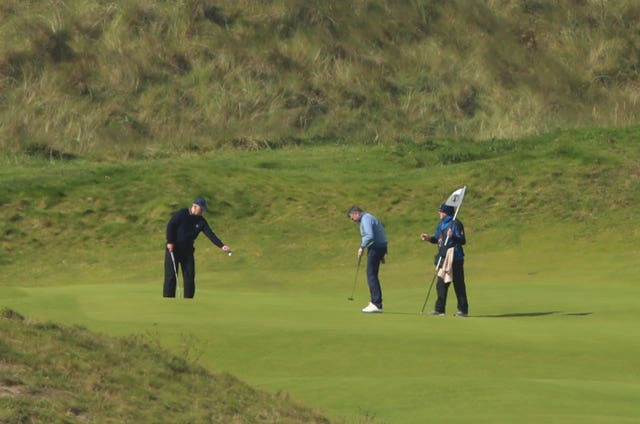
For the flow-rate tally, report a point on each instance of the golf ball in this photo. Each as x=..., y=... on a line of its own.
x=230, y=253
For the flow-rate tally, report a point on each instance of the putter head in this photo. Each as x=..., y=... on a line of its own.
x=350, y=298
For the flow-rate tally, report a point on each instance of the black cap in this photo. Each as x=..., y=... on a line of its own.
x=449, y=210
x=200, y=202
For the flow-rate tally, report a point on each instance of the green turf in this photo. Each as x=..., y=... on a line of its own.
x=553, y=345
x=551, y=267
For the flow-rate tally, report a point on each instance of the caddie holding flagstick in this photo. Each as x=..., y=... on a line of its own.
x=449, y=236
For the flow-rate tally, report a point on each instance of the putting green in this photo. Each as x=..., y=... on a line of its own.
x=552, y=345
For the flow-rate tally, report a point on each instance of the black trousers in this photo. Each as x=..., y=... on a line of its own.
x=459, y=287
x=184, y=261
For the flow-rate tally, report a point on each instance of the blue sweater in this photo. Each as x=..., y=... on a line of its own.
x=372, y=232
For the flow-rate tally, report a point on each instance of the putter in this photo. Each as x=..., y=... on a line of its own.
x=175, y=271
x=355, y=280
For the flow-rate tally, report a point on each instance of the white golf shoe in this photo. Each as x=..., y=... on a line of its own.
x=371, y=308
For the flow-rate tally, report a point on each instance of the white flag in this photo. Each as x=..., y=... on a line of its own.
x=456, y=197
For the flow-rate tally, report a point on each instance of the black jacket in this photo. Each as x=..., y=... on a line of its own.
x=183, y=228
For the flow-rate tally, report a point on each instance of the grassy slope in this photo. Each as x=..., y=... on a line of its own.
x=551, y=268
x=144, y=78
x=52, y=373
x=584, y=178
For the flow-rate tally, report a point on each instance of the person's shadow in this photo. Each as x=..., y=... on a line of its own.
x=531, y=314
x=506, y=315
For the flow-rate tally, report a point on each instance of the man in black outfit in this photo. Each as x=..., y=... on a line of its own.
x=182, y=230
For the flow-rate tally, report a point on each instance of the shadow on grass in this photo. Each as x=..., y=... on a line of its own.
x=508, y=315
x=532, y=314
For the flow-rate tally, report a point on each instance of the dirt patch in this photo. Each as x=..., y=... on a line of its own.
x=9, y=390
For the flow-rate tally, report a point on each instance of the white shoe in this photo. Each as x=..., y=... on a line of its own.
x=371, y=308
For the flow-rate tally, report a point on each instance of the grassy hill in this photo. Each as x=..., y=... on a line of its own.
x=584, y=179
x=53, y=374
x=143, y=79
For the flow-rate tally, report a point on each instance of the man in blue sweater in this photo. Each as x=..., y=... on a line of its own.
x=452, y=232
x=182, y=230
x=374, y=240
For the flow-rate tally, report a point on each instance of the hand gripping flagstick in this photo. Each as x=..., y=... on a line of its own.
x=454, y=200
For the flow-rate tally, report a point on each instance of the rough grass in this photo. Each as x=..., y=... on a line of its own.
x=52, y=373
x=143, y=79
x=585, y=178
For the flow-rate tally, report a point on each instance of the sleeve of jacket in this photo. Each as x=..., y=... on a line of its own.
x=457, y=238
x=206, y=229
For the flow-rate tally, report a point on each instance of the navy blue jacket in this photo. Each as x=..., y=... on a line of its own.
x=456, y=240
x=183, y=228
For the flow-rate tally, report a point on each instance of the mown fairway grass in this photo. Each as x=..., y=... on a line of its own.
x=551, y=266
x=539, y=348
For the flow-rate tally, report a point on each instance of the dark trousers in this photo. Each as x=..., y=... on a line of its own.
x=374, y=257
x=459, y=287
x=184, y=262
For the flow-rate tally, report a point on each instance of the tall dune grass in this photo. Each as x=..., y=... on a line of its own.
x=139, y=79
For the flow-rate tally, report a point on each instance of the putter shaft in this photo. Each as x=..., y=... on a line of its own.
x=175, y=272
x=355, y=280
